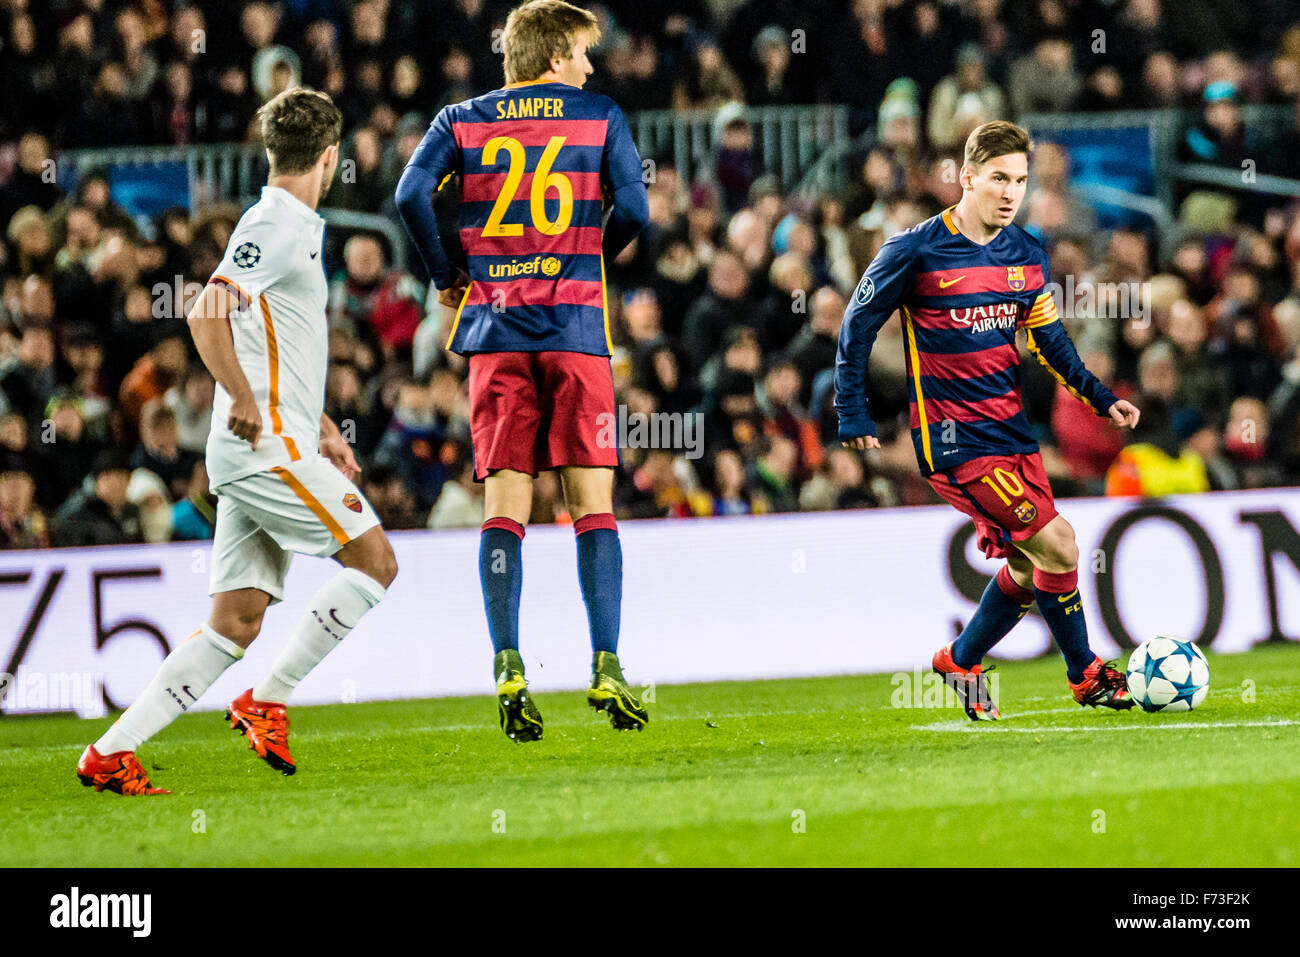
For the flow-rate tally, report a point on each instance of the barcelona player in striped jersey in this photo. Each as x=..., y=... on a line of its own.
x=550, y=188
x=964, y=283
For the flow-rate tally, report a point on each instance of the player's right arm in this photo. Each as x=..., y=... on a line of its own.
x=434, y=161
x=878, y=294
x=209, y=323
x=620, y=173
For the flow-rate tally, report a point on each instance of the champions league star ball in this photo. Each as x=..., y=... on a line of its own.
x=1168, y=674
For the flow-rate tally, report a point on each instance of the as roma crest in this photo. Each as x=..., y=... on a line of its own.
x=352, y=502
x=1016, y=278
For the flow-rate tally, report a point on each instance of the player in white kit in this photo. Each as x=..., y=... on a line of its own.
x=280, y=468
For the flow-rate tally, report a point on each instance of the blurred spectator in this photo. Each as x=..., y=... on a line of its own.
x=1045, y=80
x=147, y=492
x=375, y=303
x=101, y=513
x=190, y=402
x=159, y=453
x=155, y=373
x=22, y=523
x=963, y=100
x=460, y=503
x=392, y=498
x=194, y=517
x=772, y=476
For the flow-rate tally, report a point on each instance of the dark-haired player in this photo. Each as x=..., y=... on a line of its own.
x=278, y=465
x=964, y=283
x=538, y=160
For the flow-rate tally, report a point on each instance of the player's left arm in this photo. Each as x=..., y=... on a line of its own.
x=1051, y=345
x=335, y=448
x=620, y=175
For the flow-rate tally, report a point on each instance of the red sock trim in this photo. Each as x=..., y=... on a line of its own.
x=1059, y=583
x=589, y=523
x=1010, y=588
x=509, y=524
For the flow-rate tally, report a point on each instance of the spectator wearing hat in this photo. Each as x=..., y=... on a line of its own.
x=769, y=82
x=963, y=99
x=65, y=458
x=1220, y=137
x=100, y=514
x=147, y=493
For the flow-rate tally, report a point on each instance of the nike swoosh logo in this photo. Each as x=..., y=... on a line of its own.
x=186, y=689
x=945, y=283
x=1062, y=599
x=313, y=255
x=336, y=619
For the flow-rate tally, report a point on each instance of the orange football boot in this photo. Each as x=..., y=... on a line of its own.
x=266, y=725
x=971, y=685
x=1104, y=685
x=120, y=772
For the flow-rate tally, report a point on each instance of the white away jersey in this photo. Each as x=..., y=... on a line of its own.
x=273, y=267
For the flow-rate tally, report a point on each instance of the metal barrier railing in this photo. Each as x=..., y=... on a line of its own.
x=789, y=140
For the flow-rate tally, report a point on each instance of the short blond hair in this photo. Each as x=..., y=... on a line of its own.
x=543, y=30
x=998, y=138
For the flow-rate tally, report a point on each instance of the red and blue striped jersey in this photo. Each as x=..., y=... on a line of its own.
x=961, y=305
x=537, y=162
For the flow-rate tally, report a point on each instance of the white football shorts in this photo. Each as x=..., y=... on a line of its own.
x=306, y=506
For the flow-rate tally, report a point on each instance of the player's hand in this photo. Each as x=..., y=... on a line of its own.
x=340, y=453
x=245, y=420
x=1125, y=414
x=862, y=442
x=452, y=295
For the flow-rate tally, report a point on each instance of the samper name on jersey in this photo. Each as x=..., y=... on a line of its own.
x=531, y=107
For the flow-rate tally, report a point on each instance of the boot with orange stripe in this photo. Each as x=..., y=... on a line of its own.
x=120, y=772
x=970, y=685
x=1103, y=684
x=266, y=726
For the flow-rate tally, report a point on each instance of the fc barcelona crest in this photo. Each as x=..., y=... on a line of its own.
x=1025, y=511
x=351, y=501
x=1016, y=278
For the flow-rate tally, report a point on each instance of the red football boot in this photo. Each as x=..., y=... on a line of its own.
x=119, y=772
x=266, y=725
x=971, y=685
x=1103, y=685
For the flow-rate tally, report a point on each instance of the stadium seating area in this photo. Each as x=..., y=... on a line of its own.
x=728, y=306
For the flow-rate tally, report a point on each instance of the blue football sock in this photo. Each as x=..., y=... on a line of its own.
x=1062, y=608
x=600, y=572
x=501, y=572
x=1003, y=604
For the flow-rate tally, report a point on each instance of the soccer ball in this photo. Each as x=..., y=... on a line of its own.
x=1168, y=674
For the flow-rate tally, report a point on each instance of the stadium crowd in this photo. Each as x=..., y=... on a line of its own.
x=728, y=306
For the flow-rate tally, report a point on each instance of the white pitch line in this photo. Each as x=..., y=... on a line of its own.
x=968, y=727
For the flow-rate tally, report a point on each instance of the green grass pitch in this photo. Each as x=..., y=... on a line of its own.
x=801, y=772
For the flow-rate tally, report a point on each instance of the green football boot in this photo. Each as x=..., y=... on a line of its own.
x=609, y=693
x=520, y=719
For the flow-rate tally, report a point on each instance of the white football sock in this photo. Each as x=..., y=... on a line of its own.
x=333, y=613
x=181, y=680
